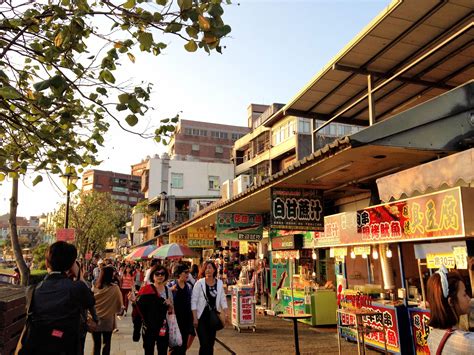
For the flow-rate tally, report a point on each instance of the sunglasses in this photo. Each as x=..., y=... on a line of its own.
x=160, y=273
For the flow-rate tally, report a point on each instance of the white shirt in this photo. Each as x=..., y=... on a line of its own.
x=198, y=301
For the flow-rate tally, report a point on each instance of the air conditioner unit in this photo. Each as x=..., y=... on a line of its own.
x=240, y=184
x=226, y=190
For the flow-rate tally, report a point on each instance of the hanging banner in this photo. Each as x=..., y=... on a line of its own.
x=239, y=226
x=65, y=234
x=296, y=208
x=200, y=238
x=419, y=320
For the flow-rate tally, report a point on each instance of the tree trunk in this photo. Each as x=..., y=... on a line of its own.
x=20, y=262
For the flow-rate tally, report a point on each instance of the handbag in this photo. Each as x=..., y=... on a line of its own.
x=174, y=335
x=216, y=319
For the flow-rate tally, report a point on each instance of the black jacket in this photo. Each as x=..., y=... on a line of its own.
x=149, y=309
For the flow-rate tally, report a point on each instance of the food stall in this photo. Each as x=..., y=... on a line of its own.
x=379, y=236
x=294, y=281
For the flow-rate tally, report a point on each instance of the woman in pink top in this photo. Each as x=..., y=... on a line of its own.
x=127, y=284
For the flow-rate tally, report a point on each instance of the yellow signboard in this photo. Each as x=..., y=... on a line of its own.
x=362, y=249
x=179, y=239
x=243, y=247
x=460, y=255
x=434, y=261
x=338, y=252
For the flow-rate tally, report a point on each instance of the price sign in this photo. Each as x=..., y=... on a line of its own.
x=362, y=249
x=434, y=261
x=460, y=255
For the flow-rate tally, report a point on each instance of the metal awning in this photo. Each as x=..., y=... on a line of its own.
x=449, y=171
x=413, y=51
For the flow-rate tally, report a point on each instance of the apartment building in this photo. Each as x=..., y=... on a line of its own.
x=124, y=188
x=204, y=141
x=278, y=140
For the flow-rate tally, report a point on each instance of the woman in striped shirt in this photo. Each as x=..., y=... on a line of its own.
x=126, y=287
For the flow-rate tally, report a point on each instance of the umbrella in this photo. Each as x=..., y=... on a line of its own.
x=172, y=250
x=141, y=252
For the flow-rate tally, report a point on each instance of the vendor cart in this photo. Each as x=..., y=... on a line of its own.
x=243, y=308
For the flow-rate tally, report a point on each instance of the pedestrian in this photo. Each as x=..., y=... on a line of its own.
x=208, y=296
x=126, y=286
x=75, y=274
x=138, y=277
x=182, y=292
x=55, y=307
x=448, y=300
x=153, y=301
x=148, y=271
x=109, y=302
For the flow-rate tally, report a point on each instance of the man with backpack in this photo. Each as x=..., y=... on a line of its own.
x=55, y=306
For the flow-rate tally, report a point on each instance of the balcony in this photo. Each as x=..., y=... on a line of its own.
x=181, y=216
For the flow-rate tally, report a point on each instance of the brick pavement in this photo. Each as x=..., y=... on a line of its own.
x=273, y=336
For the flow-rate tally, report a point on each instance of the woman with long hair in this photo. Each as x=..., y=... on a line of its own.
x=108, y=302
x=154, y=300
x=126, y=285
x=208, y=296
x=448, y=300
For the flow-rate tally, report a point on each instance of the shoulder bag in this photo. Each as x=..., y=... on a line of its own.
x=216, y=319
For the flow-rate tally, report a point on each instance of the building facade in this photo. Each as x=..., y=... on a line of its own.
x=204, y=141
x=124, y=188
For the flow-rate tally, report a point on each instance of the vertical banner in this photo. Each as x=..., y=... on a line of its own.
x=296, y=208
x=419, y=319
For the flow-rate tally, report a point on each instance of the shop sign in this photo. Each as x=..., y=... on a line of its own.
x=239, y=226
x=382, y=316
x=435, y=261
x=179, y=239
x=361, y=250
x=288, y=242
x=425, y=217
x=286, y=254
x=460, y=256
x=279, y=271
x=296, y=208
x=297, y=301
x=337, y=227
x=338, y=252
x=419, y=320
x=200, y=238
x=65, y=234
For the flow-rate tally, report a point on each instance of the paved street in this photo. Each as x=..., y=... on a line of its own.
x=273, y=336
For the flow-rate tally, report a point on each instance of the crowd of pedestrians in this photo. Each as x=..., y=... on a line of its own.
x=170, y=304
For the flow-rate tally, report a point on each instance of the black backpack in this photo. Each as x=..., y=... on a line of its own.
x=48, y=336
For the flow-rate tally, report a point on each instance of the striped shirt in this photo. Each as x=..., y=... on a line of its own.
x=459, y=342
x=127, y=282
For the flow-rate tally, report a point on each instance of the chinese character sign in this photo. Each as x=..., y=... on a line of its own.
x=199, y=238
x=300, y=209
x=429, y=216
x=419, y=320
x=435, y=261
x=239, y=226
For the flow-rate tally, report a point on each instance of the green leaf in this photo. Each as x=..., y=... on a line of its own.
x=191, y=46
x=129, y=4
x=185, y=4
x=192, y=32
x=9, y=93
x=173, y=27
x=107, y=76
x=37, y=180
x=132, y=120
x=146, y=41
x=42, y=85
x=161, y=2
x=101, y=90
x=124, y=98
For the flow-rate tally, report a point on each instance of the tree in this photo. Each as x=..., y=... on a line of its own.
x=58, y=92
x=39, y=253
x=96, y=218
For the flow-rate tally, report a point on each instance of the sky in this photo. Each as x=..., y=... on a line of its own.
x=273, y=51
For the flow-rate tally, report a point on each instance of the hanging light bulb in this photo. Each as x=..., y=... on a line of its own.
x=389, y=252
x=353, y=255
x=314, y=274
x=314, y=256
x=364, y=256
x=375, y=254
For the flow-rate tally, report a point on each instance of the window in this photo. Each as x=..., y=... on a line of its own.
x=213, y=183
x=304, y=126
x=87, y=187
x=176, y=180
x=214, y=134
x=223, y=135
x=188, y=131
x=98, y=186
x=203, y=132
x=132, y=199
x=119, y=189
x=195, y=148
x=219, y=149
x=119, y=198
x=235, y=136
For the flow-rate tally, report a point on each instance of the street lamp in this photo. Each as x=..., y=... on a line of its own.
x=68, y=179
